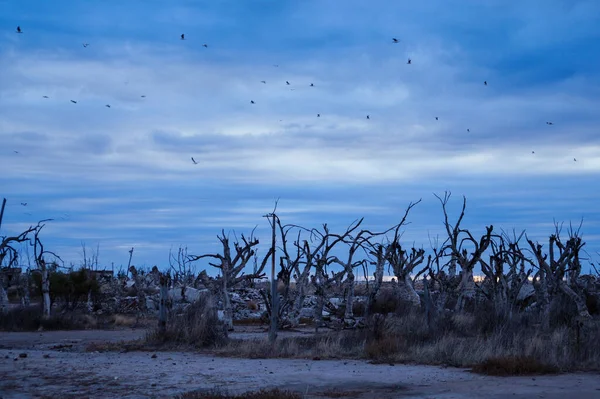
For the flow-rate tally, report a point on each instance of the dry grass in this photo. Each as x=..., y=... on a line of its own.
x=326, y=346
x=262, y=394
x=120, y=320
x=457, y=340
x=198, y=326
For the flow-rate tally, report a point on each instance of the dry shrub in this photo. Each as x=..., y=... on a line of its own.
x=262, y=394
x=385, y=302
x=358, y=308
x=252, y=321
x=514, y=365
x=124, y=321
x=30, y=318
x=252, y=305
x=198, y=326
x=382, y=349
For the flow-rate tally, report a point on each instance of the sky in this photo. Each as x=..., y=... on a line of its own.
x=122, y=177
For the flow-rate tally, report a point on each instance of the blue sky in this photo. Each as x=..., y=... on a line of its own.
x=121, y=177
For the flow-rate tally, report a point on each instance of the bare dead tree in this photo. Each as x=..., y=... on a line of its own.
x=402, y=264
x=183, y=269
x=318, y=257
x=379, y=257
x=359, y=241
x=288, y=265
x=505, y=273
x=553, y=268
x=40, y=253
x=457, y=239
x=274, y=305
x=231, y=265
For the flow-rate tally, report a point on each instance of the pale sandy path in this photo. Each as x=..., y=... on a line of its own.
x=77, y=374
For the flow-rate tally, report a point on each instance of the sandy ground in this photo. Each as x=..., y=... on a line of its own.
x=57, y=367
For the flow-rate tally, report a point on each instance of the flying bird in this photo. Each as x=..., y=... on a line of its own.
x=107, y=105
x=287, y=83
x=549, y=123
x=16, y=152
x=194, y=161
x=533, y=152
x=45, y=97
x=74, y=102
x=85, y=44
x=485, y=82
x=312, y=85
x=183, y=36
x=394, y=40
x=469, y=130
x=205, y=45
x=368, y=117
x=19, y=29
x=263, y=81
x=24, y=203
x=143, y=96
x=251, y=101
x=409, y=61
x=574, y=160
x=276, y=65
x=436, y=118
x=318, y=115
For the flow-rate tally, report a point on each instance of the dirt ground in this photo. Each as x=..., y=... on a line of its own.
x=57, y=366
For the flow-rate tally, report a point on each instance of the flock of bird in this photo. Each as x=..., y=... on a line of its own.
x=182, y=37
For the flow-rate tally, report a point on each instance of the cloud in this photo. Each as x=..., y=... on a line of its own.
x=124, y=173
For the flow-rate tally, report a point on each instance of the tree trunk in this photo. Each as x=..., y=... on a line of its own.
x=318, y=317
x=406, y=291
x=24, y=289
x=3, y=298
x=227, y=306
x=162, y=310
x=90, y=304
x=466, y=288
x=46, y=292
x=579, y=301
x=301, y=288
x=349, y=314
x=378, y=280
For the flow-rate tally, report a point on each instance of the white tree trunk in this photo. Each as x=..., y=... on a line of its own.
x=227, y=306
x=24, y=289
x=406, y=291
x=90, y=305
x=301, y=289
x=466, y=288
x=46, y=292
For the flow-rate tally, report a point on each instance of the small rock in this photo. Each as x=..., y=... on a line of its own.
x=22, y=355
x=46, y=356
x=154, y=356
x=316, y=358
